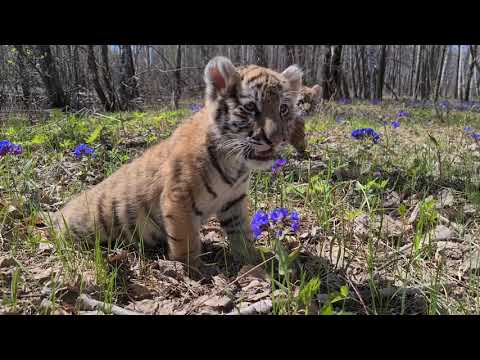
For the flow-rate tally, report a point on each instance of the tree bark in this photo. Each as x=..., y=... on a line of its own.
x=381, y=73
x=92, y=65
x=114, y=103
x=24, y=75
x=128, y=83
x=440, y=73
x=290, y=49
x=259, y=55
x=50, y=77
x=177, y=91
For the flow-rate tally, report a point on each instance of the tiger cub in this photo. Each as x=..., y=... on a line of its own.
x=307, y=102
x=201, y=170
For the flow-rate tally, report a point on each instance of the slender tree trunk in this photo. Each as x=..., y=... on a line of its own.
x=336, y=70
x=114, y=103
x=381, y=72
x=92, y=65
x=457, y=76
x=325, y=82
x=290, y=49
x=128, y=82
x=177, y=92
x=417, y=71
x=352, y=71
x=440, y=73
x=259, y=55
x=412, y=72
x=24, y=75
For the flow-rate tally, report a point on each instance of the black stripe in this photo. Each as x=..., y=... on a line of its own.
x=254, y=78
x=115, y=218
x=131, y=217
x=207, y=185
x=101, y=214
x=177, y=169
x=194, y=206
x=233, y=227
x=213, y=159
x=230, y=204
x=226, y=222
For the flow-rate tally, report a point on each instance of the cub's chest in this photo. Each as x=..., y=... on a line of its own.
x=225, y=194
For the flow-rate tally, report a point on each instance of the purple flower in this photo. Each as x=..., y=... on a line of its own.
x=277, y=165
x=375, y=101
x=395, y=124
x=361, y=133
x=258, y=223
x=476, y=136
x=6, y=147
x=295, y=226
x=344, y=101
x=278, y=214
x=468, y=129
x=402, y=114
x=196, y=107
x=444, y=104
x=83, y=150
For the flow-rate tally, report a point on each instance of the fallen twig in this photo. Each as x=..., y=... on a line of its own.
x=260, y=307
x=85, y=302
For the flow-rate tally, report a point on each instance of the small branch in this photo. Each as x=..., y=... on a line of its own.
x=260, y=307
x=85, y=302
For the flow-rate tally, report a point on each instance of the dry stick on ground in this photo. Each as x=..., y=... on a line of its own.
x=260, y=307
x=85, y=302
x=230, y=283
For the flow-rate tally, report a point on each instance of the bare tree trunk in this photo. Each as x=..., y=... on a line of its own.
x=92, y=65
x=51, y=78
x=352, y=71
x=290, y=49
x=381, y=73
x=473, y=54
x=177, y=92
x=259, y=55
x=417, y=71
x=24, y=75
x=457, y=77
x=128, y=82
x=412, y=72
x=325, y=82
x=114, y=103
x=336, y=70
x=440, y=73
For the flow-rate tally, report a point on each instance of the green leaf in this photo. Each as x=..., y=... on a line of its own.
x=327, y=310
x=344, y=291
x=39, y=139
x=95, y=135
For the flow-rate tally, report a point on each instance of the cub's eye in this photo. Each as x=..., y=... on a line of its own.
x=250, y=107
x=283, y=109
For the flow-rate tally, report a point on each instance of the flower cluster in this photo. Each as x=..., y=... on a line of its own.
x=361, y=133
x=375, y=101
x=344, y=101
x=83, y=150
x=277, y=165
x=196, y=107
x=468, y=129
x=402, y=114
x=476, y=136
x=280, y=219
x=6, y=147
x=444, y=104
x=395, y=124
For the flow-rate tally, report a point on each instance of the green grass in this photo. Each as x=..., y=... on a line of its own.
x=329, y=267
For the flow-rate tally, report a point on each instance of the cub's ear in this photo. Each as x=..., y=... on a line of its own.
x=220, y=77
x=294, y=76
x=317, y=90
